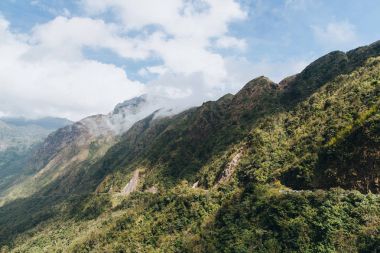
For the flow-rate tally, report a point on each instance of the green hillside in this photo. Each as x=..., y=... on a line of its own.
x=288, y=167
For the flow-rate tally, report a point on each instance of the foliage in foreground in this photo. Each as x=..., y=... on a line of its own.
x=257, y=219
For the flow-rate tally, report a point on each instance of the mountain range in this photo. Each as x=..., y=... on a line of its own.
x=17, y=137
x=22, y=133
x=292, y=166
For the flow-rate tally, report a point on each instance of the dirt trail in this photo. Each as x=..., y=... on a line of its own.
x=132, y=184
x=227, y=173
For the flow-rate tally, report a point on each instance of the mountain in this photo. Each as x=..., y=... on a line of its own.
x=287, y=167
x=17, y=137
x=22, y=133
x=73, y=147
x=46, y=123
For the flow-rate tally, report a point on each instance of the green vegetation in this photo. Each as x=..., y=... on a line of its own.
x=287, y=146
x=293, y=167
x=260, y=220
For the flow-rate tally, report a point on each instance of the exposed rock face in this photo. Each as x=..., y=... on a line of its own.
x=230, y=169
x=195, y=185
x=132, y=184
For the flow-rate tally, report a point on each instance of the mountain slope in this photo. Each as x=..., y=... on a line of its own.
x=17, y=137
x=188, y=141
x=21, y=133
x=251, y=172
x=73, y=148
x=352, y=160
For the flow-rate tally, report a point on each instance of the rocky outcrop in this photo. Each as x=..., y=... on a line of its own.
x=132, y=184
x=231, y=167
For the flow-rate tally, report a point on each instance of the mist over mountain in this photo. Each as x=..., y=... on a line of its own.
x=189, y=126
x=68, y=149
x=292, y=166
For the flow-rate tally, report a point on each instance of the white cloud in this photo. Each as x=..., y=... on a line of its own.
x=153, y=70
x=51, y=10
x=72, y=35
x=335, y=34
x=45, y=72
x=58, y=79
x=185, y=30
x=231, y=42
x=192, y=90
x=188, y=56
x=50, y=77
x=189, y=18
x=241, y=70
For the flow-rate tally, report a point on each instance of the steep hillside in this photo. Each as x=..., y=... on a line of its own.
x=266, y=115
x=352, y=160
x=289, y=167
x=71, y=149
x=287, y=146
x=17, y=137
x=172, y=149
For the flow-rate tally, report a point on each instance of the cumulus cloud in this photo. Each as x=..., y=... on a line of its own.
x=45, y=71
x=335, y=34
x=231, y=42
x=42, y=75
x=189, y=18
x=185, y=31
x=159, y=69
x=73, y=34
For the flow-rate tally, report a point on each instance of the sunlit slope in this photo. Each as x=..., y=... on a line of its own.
x=251, y=172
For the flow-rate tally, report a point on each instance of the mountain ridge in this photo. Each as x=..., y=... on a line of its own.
x=254, y=171
x=66, y=148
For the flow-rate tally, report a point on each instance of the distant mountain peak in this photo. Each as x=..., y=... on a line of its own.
x=50, y=123
x=130, y=105
x=260, y=81
x=256, y=87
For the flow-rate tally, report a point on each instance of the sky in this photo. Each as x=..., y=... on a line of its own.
x=75, y=58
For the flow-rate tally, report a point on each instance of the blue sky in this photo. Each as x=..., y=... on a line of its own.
x=76, y=58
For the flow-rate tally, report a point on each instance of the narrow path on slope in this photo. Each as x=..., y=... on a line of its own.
x=227, y=173
x=132, y=184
